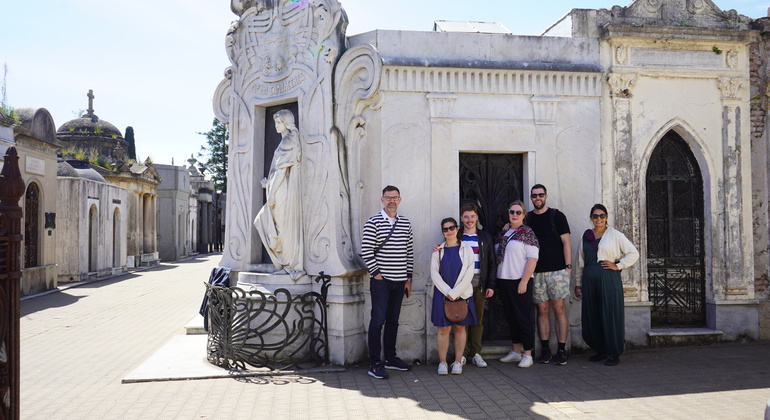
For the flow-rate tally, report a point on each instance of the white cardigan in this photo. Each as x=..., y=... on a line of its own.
x=615, y=247
x=463, y=287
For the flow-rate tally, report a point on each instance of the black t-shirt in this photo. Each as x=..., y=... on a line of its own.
x=549, y=227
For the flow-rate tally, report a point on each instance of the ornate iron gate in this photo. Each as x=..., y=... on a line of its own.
x=277, y=331
x=492, y=181
x=675, y=262
x=11, y=190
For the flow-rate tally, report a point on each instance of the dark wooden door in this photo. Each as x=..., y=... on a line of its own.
x=492, y=181
x=675, y=256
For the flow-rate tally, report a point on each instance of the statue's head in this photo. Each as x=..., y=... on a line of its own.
x=285, y=117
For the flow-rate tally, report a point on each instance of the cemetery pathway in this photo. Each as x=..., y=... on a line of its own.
x=78, y=344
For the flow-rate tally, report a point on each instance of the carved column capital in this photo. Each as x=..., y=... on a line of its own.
x=730, y=88
x=441, y=104
x=621, y=85
x=545, y=109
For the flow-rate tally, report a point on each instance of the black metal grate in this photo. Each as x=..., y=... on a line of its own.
x=277, y=331
x=675, y=262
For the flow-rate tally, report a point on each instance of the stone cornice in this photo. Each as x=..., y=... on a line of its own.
x=677, y=32
x=503, y=82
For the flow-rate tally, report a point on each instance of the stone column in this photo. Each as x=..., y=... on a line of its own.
x=624, y=178
x=154, y=221
x=737, y=261
x=732, y=307
x=544, y=110
x=441, y=113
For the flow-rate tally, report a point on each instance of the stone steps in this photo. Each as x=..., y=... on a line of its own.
x=681, y=337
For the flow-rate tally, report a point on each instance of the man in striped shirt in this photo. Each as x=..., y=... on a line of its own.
x=387, y=248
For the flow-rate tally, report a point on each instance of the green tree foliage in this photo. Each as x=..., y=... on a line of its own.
x=131, y=142
x=212, y=158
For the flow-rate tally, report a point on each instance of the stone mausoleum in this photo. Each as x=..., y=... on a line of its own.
x=656, y=110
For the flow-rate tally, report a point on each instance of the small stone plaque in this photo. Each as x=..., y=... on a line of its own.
x=675, y=58
x=35, y=165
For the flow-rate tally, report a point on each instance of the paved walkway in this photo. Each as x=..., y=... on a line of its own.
x=79, y=345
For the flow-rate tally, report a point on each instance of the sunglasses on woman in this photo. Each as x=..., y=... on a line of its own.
x=516, y=212
x=599, y=216
x=448, y=228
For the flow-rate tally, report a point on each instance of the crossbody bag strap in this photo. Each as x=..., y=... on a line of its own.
x=392, y=229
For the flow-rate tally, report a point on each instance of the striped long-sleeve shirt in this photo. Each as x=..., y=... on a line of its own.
x=395, y=258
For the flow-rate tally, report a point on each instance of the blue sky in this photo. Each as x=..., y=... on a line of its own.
x=154, y=64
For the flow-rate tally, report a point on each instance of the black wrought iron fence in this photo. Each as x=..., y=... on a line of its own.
x=274, y=330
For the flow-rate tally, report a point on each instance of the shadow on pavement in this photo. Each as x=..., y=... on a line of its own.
x=547, y=391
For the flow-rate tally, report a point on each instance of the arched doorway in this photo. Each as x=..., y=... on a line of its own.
x=31, y=226
x=675, y=223
x=492, y=181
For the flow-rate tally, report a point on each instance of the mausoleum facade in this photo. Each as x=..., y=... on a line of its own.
x=625, y=108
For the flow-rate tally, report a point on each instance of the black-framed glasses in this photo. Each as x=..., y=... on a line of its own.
x=536, y=195
x=516, y=212
x=598, y=216
x=449, y=228
x=386, y=198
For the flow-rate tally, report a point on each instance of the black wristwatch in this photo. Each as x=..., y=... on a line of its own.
x=569, y=266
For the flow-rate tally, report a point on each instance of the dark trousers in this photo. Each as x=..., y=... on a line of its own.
x=386, y=308
x=518, y=312
x=475, y=332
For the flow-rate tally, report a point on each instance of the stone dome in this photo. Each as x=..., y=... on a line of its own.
x=78, y=169
x=88, y=127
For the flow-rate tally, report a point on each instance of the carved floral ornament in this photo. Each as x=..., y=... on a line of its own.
x=278, y=42
x=653, y=6
x=696, y=6
x=730, y=87
x=621, y=85
x=621, y=54
x=731, y=59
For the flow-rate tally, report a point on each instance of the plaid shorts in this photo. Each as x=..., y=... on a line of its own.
x=551, y=285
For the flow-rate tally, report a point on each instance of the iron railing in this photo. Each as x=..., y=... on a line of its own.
x=276, y=330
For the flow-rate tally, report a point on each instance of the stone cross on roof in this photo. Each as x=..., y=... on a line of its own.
x=90, y=110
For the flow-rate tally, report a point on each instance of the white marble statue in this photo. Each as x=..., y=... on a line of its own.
x=279, y=222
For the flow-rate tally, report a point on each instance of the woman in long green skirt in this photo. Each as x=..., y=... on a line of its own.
x=604, y=252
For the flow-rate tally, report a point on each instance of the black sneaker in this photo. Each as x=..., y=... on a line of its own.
x=397, y=364
x=545, y=357
x=612, y=360
x=560, y=358
x=378, y=371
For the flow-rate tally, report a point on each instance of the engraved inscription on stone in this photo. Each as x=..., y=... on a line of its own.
x=675, y=58
x=35, y=165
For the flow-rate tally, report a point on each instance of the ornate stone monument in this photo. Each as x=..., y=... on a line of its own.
x=284, y=52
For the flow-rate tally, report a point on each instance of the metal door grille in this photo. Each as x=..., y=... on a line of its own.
x=492, y=181
x=675, y=262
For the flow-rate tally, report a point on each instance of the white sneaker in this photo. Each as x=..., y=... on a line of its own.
x=457, y=368
x=443, y=368
x=512, y=356
x=464, y=361
x=478, y=361
x=526, y=361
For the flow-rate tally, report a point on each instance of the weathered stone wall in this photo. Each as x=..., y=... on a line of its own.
x=75, y=198
x=759, y=78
